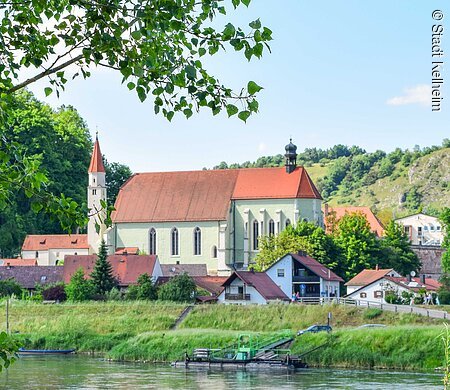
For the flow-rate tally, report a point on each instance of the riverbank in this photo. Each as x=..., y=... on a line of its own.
x=142, y=331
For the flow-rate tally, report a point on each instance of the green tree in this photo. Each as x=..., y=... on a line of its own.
x=102, y=275
x=10, y=287
x=9, y=348
x=116, y=175
x=145, y=289
x=358, y=244
x=180, y=288
x=79, y=288
x=397, y=252
x=445, y=219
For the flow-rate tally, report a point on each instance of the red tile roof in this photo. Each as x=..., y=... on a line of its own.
x=375, y=225
x=368, y=276
x=18, y=262
x=204, y=195
x=212, y=284
x=261, y=282
x=44, y=242
x=317, y=268
x=132, y=250
x=126, y=268
x=416, y=284
x=96, y=164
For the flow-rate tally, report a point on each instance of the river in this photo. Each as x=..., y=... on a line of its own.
x=81, y=372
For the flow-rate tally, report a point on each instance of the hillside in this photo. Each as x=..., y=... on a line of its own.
x=393, y=185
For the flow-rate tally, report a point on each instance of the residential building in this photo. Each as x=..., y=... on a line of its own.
x=19, y=262
x=367, y=276
x=248, y=287
x=30, y=276
x=126, y=268
x=50, y=249
x=212, y=217
x=422, y=229
x=334, y=214
x=299, y=273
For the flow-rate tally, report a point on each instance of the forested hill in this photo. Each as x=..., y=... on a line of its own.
x=392, y=184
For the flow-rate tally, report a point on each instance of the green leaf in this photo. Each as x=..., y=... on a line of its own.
x=201, y=51
x=48, y=91
x=187, y=112
x=36, y=207
x=191, y=72
x=229, y=31
x=252, y=87
x=131, y=85
x=136, y=34
x=170, y=115
x=255, y=24
x=246, y=2
x=243, y=115
x=232, y=110
x=141, y=93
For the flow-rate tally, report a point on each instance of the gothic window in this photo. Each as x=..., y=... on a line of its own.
x=174, y=247
x=288, y=222
x=94, y=192
x=152, y=242
x=255, y=234
x=214, y=252
x=271, y=227
x=197, y=241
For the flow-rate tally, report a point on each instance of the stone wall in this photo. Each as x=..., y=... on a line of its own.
x=430, y=256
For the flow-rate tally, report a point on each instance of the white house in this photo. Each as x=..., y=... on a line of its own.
x=299, y=273
x=367, y=276
x=49, y=249
x=422, y=229
x=248, y=287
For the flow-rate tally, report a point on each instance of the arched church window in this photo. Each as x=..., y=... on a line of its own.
x=197, y=241
x=288, y=222
x=214, y=252
x=94, y=192
x=271, y=227
x=152, y=242
x=255, y=235
x=174, y=242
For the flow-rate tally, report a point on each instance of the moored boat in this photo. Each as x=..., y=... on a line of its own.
x=23, y=351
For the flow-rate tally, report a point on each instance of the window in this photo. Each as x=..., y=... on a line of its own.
x=419, y=231
x=255, y=234
x=378, y=294
x=280, y=272
x=240, y=290
x=76, y=253
x=94, y=192
x=214, y=252
x=36, y=254
x=271, y=227
x=262, y=227
x=288, y=222
x=425, y=228
x=152, y=242
x=438, y=228
x=197, y=241
x=43, y=278
x=363, y=295
x=432, y=228
x=174, y=250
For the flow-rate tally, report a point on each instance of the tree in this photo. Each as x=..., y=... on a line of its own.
x=445, y=219
x=358, y=244
x=102, y=275
x=145, y=289
x=79, y=288
x=180, y=288
x=116, y=175
x=9, y=348
x=10, y=287
x=397, y=252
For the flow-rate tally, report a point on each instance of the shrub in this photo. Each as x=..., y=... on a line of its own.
x=180, y=288
x=10, y=287
x=113, y=295
x=444, y=297
x=79, y=288
x=370, y=314
x=145, y=289
x=55, y=292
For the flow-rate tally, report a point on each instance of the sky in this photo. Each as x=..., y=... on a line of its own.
x=347, y=72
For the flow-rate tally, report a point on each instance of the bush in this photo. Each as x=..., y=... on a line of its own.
x=145, y=289
x=79, y=289
x=180, y=288
x=10, y=287
x=54, y=292
x=113, y=295
x=444, y=297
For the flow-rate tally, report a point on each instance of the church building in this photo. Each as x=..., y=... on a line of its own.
x=212, y=217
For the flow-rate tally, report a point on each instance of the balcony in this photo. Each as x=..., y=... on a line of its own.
x=306, y=279
x=237, y=297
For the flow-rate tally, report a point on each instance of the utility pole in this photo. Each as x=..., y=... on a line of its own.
x=7, y=315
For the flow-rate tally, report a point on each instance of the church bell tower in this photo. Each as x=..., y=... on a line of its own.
x=96, y=192
x=290, y=157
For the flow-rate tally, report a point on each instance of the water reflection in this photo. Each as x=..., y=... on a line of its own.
x=78, y=372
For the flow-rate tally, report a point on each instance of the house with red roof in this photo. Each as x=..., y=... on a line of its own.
x=212, y=217
x=249, y=287
x=50, y=249
x=301, y=275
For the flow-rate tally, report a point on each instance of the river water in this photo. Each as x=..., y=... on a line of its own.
x=81, y=372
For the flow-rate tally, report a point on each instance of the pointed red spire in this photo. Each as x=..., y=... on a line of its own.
x=96, y=164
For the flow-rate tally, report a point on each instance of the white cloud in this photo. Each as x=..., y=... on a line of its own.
x=262, y=147
x=420, y=94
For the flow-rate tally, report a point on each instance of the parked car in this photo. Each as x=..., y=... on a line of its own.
x=315, y=329
x=371, y=326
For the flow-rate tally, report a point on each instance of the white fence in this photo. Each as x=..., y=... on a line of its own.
x=383, y=306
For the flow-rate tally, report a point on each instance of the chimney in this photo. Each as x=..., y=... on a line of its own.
x=376, y=267
x=326, y=210
x=125, y=252
x=422, y=278
x=8, y=265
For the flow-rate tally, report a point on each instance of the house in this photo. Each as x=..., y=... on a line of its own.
x=248, y=287
x=126, y=268
x=49, y=249
x=211, y=217
x=299, y=273
x=422, y=229
x=376, y=289
x=333, y=214
x=368, y=276
x=30, y=276
x=17, y=262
